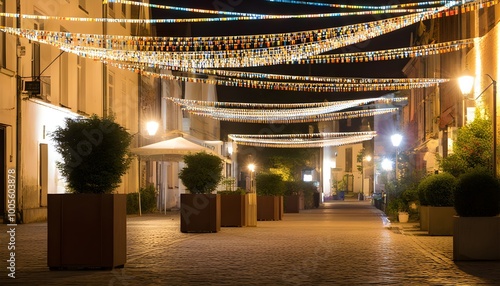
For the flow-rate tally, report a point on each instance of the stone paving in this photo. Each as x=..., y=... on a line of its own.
x=342, y=243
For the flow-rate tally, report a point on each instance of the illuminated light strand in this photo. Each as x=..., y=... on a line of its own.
x=228, y=59
x=217, y=12
x=292, y=118
x=364, y=7
x=390, y=54
x=251, y=105
x=222, y=46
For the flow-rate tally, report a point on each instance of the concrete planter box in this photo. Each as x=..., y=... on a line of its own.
x=86, y=231
x=233, y=210
x=292, y=204
x=251, y=209
x=441, y=220
x=476, y=238
x=268, y=207
x=424, y=218
x=200, y=213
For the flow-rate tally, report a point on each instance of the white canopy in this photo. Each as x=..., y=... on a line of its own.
x=170, y=150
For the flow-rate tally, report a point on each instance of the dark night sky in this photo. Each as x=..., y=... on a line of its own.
x=390, y=69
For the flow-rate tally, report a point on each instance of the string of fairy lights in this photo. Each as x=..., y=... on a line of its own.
x=207, y=59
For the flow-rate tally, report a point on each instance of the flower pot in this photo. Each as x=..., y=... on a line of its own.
x=86, y=231
x=200, y=213
x=441, y=220
x=292, y=204
x=403, y=217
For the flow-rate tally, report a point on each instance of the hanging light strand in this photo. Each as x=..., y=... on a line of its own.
x=205, y=45
x=364, y=7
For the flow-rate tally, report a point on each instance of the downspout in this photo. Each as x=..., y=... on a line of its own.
x=104, y=67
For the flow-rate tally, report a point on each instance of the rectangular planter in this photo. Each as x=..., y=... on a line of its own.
x=86, y=231
x=476, y=238
x=441, y=220
x=281, y=212
x=268, y=208
x=200, y=213
x=424, y=218
x=233, y=210
x=292, y=204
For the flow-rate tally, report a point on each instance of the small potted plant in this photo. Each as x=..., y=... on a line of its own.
x=87, y=225
x=233, y=204
x=437, y=191
x=476, y=227
x=200, y=209
x=270, y=190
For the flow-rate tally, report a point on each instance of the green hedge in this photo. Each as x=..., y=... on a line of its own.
x=477, y=194
x=437, y=190
x=148, y=201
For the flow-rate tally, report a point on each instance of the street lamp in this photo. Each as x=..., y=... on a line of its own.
x=466, y=82
x=251, y=167
x=396, y=140
x=151, y=127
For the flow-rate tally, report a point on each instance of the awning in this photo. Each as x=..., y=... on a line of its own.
x=170, y=150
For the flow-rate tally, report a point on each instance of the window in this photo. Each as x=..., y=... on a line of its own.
x=111, y=95
x=82, y=4
x=81, y=84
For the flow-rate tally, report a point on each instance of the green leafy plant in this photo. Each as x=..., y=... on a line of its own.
x=269, y=184
x=95, y=153
x=202, y=173
x=437, y=190
x=477, y=194
x=148, y=200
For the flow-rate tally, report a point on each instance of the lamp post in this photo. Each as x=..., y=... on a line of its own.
x=251, y=167
x=396, y=140
x=466, y=82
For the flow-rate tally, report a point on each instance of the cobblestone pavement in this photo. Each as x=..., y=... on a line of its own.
x=343, y=243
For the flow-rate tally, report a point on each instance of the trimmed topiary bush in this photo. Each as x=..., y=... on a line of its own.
x=437, y=190
x=269, y=184
x=477, y=194
x=148, y=200
x=202, y=173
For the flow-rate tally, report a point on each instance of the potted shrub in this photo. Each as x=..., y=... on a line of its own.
x=399, y=207
x=87, y=225
x=476, y=230
x=438, y=192
x=233, y=204
x=270, y=190
x=200, y=209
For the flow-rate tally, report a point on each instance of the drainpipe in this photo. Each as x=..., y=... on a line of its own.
x=19, y=87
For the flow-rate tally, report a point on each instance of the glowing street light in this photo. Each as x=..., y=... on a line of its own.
x=396, y=141
x=466, y=82
x=251, y=167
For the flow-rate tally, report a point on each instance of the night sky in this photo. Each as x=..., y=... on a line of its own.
x=389, y=69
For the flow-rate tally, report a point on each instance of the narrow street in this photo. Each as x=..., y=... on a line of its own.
x=342, y=243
